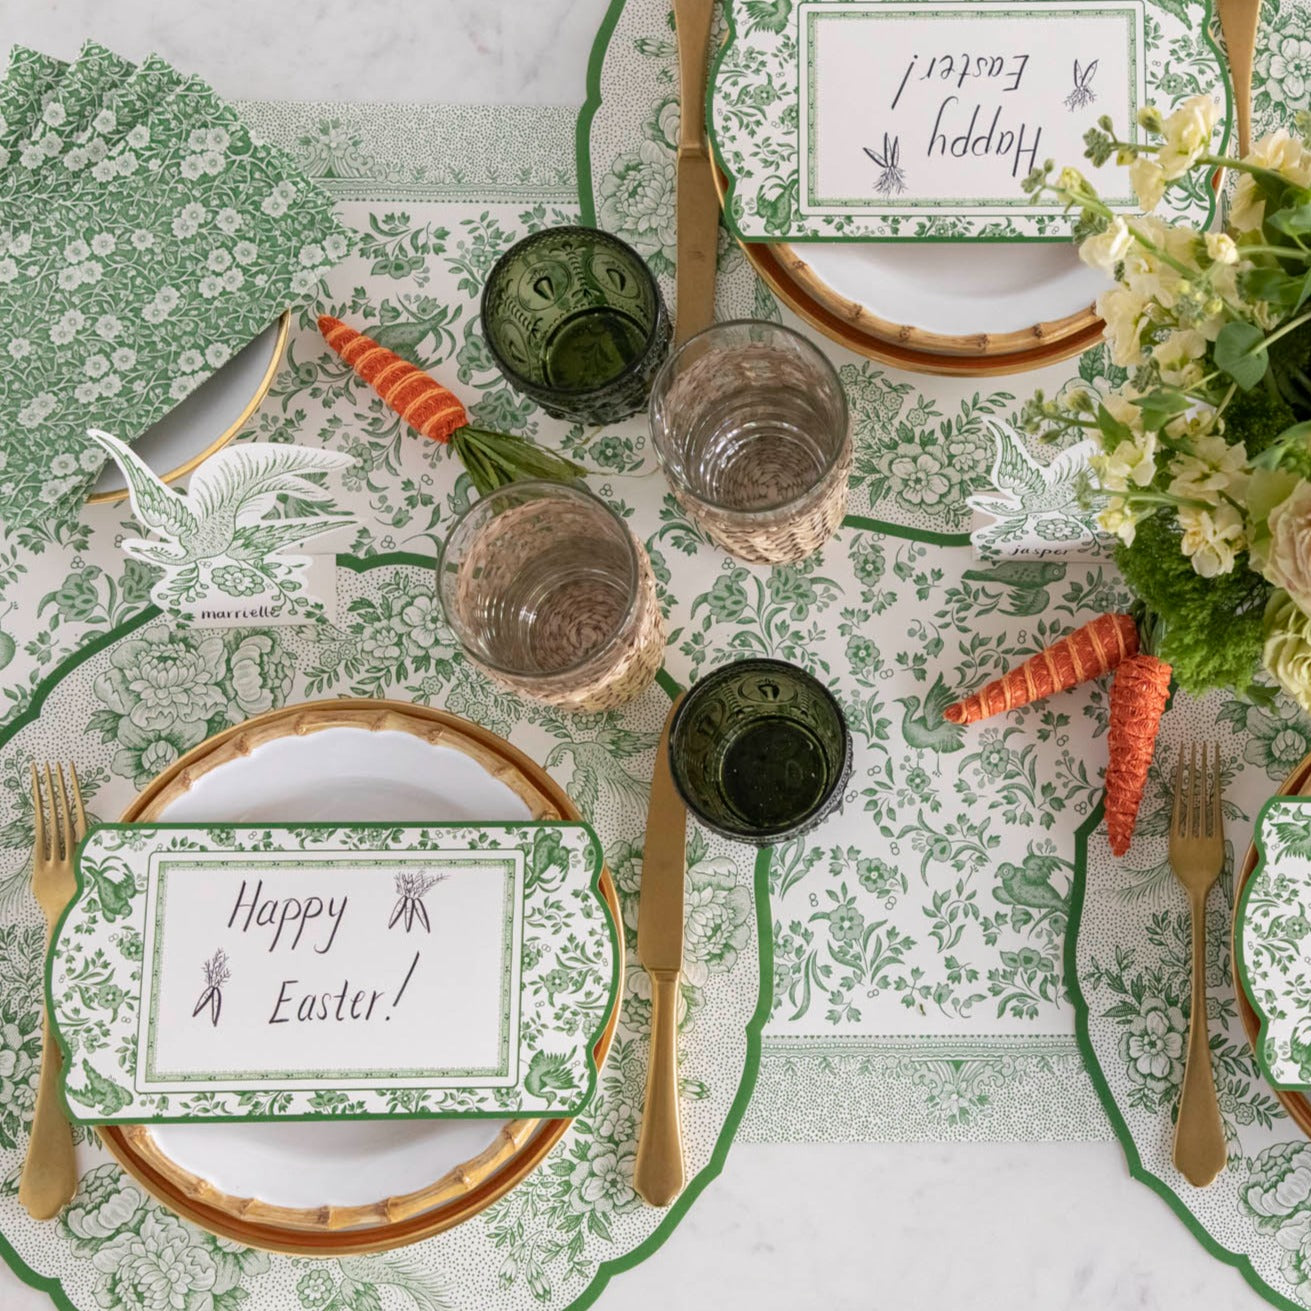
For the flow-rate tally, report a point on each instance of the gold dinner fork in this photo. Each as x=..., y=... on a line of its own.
x=50, y=1172
x=1197, y=855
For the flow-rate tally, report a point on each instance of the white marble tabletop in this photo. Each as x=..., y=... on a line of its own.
x=1020, y=1226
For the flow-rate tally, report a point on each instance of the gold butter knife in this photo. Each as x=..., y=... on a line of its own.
x=1239, y=20
x=658, y=1174
x=698, y=204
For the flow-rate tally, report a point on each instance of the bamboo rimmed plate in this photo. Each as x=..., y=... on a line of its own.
x=184, y=438
x=1297, y=1104
x=831, y=283
x=335, y=1189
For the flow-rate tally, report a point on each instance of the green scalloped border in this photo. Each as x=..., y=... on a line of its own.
x=755, y=1024
x=1137, y=1170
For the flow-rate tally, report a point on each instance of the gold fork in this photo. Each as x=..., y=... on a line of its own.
x=50, y=1172
x=1197, y=855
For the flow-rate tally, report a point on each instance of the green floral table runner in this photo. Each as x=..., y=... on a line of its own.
x=145, y=237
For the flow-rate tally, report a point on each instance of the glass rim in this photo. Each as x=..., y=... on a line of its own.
x=572, y=491
x=633, y=366
x=767, y=837
x=833, y=460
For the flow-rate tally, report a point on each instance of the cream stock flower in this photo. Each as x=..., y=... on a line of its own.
x=1187, y=134
x=1177, y=357
x=1212, y=538
x=1124, y=310
x=1287, y=650
x=1119, y=518
x=1221, y=248
x=1287, y=554
x=1212, y=467
x=1131, y=464
x=1107, y=249
x=1148, y=180
x=1280, y=153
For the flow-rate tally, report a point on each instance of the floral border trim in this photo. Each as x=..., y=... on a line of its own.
x=908, y=1089
x=352, y=149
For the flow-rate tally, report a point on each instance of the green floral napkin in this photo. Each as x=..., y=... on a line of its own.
x=145, y=237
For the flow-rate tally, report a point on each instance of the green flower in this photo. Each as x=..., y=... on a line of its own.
x=238, y=580
x=1278, y=1184
x=19, y=1047
x=423, y=622
x=727, y=598
x=76, y=598
x=868, y=563
x=315, y=1288
x=165, y=680
x=717, y=923
x=863, y=655
x=1153, y=1047
x=880, y=878
x=919, y=478
x=1286, y=64
x=158, y=1268
x=107, y=1202
x=1294, y=1239
x=604, y=1181
x=144, y=753
x=994, y=758
x=1277, y=735
x=259, y=674
x=637, y=199
x=846, y=923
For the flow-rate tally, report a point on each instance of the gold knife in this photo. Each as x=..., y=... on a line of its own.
x=698, y=204
x=1239, y=20
x=658, y=1174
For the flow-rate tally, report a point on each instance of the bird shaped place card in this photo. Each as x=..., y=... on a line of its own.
x=231, y=549
x=314, y=970
x=902, y=120
x=1036, y=515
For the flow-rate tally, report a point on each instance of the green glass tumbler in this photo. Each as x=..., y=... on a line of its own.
x=575, y=321
x=760, y=751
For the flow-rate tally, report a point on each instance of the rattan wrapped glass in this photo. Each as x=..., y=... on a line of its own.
x=552, y=596
x=750, y=424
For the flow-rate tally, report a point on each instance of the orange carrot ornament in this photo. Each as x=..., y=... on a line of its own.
x=492, y=459
x=1088, y=652
x=1139, y=691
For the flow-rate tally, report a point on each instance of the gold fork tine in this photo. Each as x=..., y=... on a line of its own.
x=55, y=847
x=1177, y=806
x=79, y=810
x=66, y=817
x=40, y=847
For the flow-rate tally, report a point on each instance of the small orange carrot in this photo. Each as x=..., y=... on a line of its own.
x=1090, y=651
x=427, y=406
x=1139, y=691
x=491, y=459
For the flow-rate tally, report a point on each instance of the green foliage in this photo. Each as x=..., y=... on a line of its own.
x=1210, y=628
x=1257, y=417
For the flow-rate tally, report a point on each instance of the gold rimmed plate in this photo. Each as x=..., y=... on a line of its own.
x=958, y=309
x=209, y=418
x=345, y=1187
x=1297, y=1104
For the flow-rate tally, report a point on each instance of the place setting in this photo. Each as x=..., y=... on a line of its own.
x=517, y=684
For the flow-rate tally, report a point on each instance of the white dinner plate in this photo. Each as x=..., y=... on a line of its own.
x=958, y=289
x=207, y=419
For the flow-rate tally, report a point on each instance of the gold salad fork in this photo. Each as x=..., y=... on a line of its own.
x=50, y=1172
x=1197, y=854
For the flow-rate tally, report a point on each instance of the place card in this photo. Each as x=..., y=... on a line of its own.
x=208, y=972
x=910, y=119
x=1272, y=941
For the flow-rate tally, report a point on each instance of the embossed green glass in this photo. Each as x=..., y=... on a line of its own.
x=575, y=321
x=760, y=751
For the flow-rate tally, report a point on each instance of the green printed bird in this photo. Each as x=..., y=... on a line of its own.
x=1029, y=883
x=1028, y=581
x=924, y=727
x=768, y=15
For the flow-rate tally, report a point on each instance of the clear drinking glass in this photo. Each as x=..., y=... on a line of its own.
x=575, y=320
x=760, y=751
x=551, y=596
x=749, y=421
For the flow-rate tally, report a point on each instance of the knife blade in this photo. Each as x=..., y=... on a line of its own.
x=695, y=197
x=658, y=1171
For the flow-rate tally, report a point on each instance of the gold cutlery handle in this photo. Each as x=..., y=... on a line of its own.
x=1239, y=21
x=49, y=1177
x=658, y=1175
x=1200, y=1149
